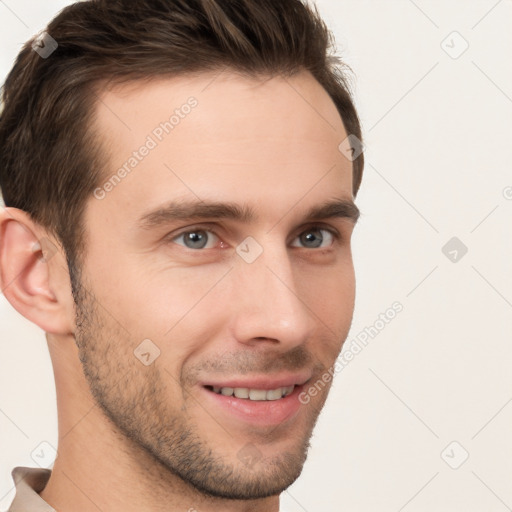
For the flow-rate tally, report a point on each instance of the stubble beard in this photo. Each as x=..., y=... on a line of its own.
x=163, y=443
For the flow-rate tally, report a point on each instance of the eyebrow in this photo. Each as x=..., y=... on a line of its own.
x=196, y=210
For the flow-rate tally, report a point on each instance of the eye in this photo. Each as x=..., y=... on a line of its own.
x=315, y=238
x=196, y=239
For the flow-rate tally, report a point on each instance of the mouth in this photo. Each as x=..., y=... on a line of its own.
x=252, y=393
x=257, y=401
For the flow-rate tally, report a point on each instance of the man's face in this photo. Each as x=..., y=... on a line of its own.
x=207, y=250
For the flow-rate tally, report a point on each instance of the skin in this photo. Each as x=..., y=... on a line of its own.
x=148, y=438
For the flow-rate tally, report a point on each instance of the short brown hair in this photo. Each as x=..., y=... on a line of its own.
x=50, y=160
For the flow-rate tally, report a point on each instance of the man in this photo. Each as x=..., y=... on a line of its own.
x=179, y=179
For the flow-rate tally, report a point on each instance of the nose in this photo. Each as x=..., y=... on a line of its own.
x=268, y=306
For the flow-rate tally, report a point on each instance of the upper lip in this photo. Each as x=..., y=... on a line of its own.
x=266, y=382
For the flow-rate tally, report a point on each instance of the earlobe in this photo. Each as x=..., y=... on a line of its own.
x=30, y=272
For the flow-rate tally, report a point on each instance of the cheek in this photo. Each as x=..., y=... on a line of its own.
x=176, y=309
x=329, y=292
x=330, y=296
x=152, y=302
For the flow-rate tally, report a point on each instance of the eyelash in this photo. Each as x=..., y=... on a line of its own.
x=172, y=237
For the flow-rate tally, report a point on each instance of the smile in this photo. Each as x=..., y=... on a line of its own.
x=254, y=394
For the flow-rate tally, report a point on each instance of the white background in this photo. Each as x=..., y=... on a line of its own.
x=438, y=144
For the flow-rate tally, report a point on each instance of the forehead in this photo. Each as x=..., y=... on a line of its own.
x=220, y=136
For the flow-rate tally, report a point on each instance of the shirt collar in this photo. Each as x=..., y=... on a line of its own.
x=29, y=482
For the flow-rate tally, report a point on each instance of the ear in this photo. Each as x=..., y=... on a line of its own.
x=33, y=273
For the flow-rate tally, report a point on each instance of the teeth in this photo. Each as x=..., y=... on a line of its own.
x=241, y=392
x=255, y=394
x=288, y=390
x=275, y=394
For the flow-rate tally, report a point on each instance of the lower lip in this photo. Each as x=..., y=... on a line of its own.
x=258, y=412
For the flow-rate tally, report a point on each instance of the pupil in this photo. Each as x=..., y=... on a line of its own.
x=195, y=239
x=312, y=239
